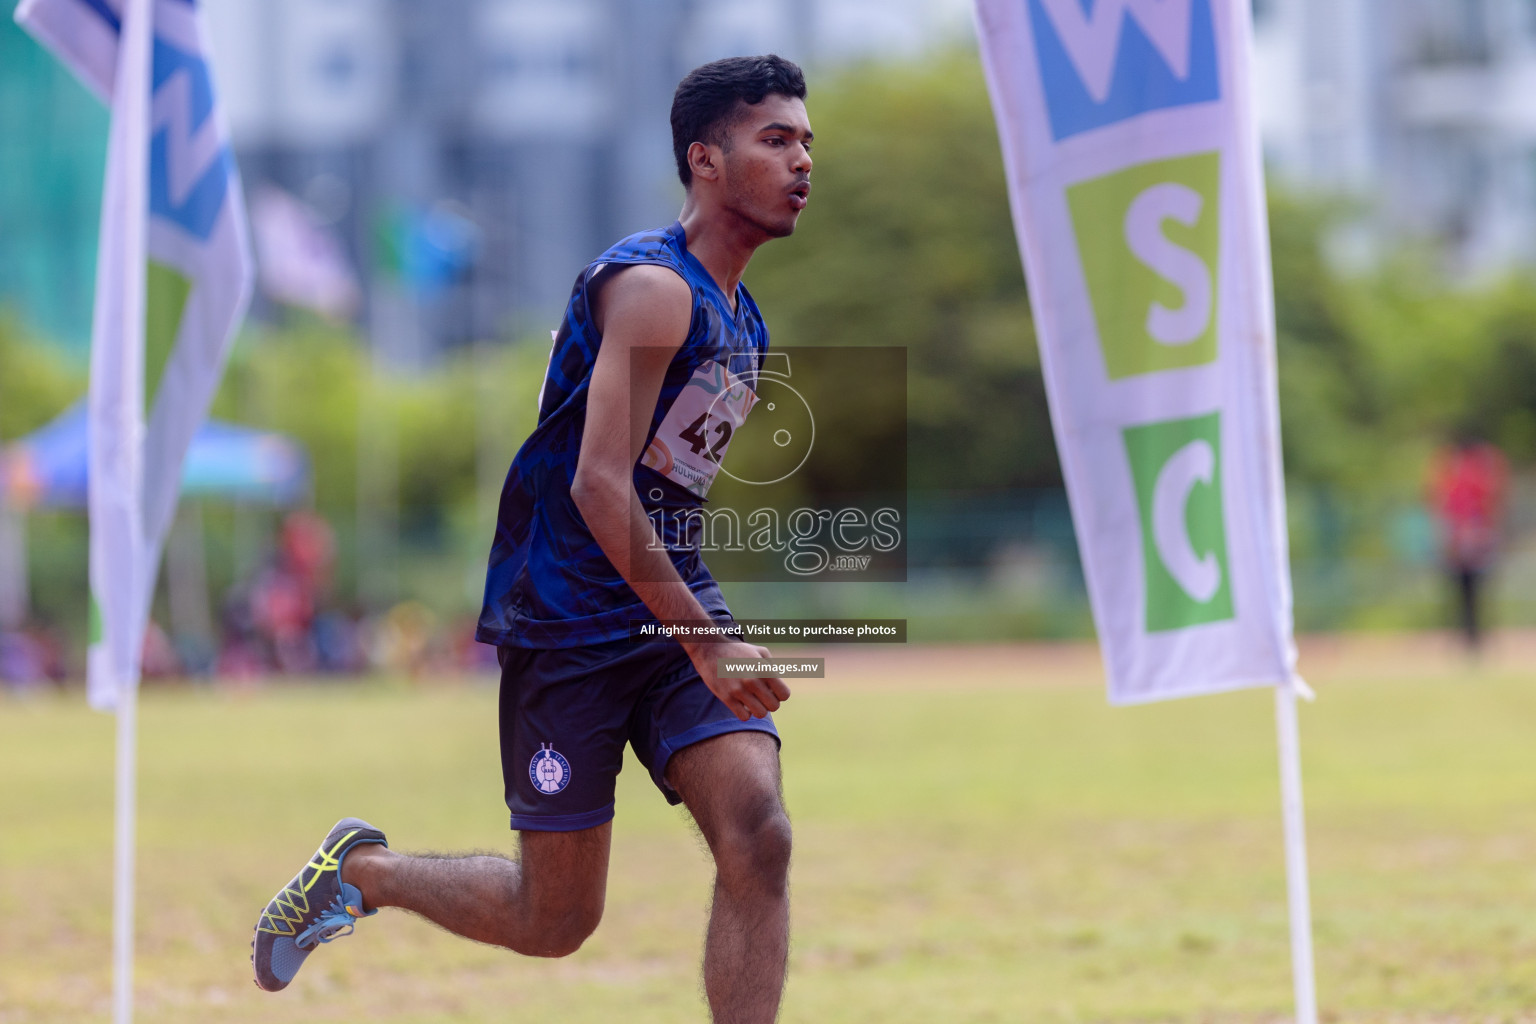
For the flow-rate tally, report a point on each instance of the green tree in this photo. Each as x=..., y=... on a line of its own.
x=36, y=383
x=909, y=242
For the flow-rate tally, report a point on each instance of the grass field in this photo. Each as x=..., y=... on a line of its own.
x=979, y=838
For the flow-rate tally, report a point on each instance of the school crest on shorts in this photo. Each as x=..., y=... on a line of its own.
x=549, y=770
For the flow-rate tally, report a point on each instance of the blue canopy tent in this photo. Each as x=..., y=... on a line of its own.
x=47, y=469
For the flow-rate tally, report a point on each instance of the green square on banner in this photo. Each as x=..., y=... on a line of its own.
x=165, y=301
x=1149, y=237
x=1177, y=468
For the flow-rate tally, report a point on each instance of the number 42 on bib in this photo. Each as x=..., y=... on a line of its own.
x=696, y=432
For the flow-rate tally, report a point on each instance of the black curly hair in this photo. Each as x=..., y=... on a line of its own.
x=707, y=99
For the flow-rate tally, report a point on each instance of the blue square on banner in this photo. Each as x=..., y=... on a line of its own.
x=1103, y=61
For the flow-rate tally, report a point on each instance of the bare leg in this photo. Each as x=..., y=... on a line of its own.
x=731, y=786
x=544, y=904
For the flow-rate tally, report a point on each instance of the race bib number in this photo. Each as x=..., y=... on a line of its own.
x=692, y=440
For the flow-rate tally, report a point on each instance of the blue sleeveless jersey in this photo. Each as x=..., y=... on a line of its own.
x=548, y=583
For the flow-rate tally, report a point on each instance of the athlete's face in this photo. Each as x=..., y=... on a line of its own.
x=767, y=164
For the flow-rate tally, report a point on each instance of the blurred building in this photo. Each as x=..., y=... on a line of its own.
x=471, y=155
x=1425, y=110
x=475, y=154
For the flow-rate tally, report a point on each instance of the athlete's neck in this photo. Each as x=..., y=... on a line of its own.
x=724, y=244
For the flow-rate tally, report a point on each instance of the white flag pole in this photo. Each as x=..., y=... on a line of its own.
x=126, y=200
x=123, y=873
x=1297, y=888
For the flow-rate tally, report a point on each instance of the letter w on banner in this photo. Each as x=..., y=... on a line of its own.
x=185, y=226
x=1132, y=154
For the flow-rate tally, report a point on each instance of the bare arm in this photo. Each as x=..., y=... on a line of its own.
x=643, y=312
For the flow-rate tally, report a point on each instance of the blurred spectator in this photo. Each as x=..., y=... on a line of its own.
x=1468, y=482
x=31, y=656
x=274, y=621
x=402, y=639
x=197, y=655
x=21, y=661
x=469, y=654
x=160, y=660
x=339, y=642
x=308, y=550
x=283, y=610
x=240, y=651
x=280, y=620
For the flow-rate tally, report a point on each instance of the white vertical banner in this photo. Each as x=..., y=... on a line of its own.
x=1132, y=151
x=173, y=270
x=1129, y=136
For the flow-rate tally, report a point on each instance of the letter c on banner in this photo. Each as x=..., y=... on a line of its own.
x=1198, y=575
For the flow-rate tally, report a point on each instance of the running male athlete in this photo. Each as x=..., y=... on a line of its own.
x=651, y=370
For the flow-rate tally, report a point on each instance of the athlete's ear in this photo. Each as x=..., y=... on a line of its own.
x=701, y=161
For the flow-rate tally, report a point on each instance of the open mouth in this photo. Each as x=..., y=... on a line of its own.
x=800, y=195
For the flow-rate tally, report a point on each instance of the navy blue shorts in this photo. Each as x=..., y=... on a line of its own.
x=566, y=714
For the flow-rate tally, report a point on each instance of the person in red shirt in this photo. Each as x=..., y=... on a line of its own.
x=1468, y=483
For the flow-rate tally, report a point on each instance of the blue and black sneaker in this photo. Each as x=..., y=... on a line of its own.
x=317, y=906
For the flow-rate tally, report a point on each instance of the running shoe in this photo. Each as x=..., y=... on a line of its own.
x=317, y=906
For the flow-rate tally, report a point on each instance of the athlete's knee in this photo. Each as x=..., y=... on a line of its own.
x=558, y=901
x=754, y=848
x=566, y=936
x=554, y=934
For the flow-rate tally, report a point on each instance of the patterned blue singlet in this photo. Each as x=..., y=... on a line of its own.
x=548, y=583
